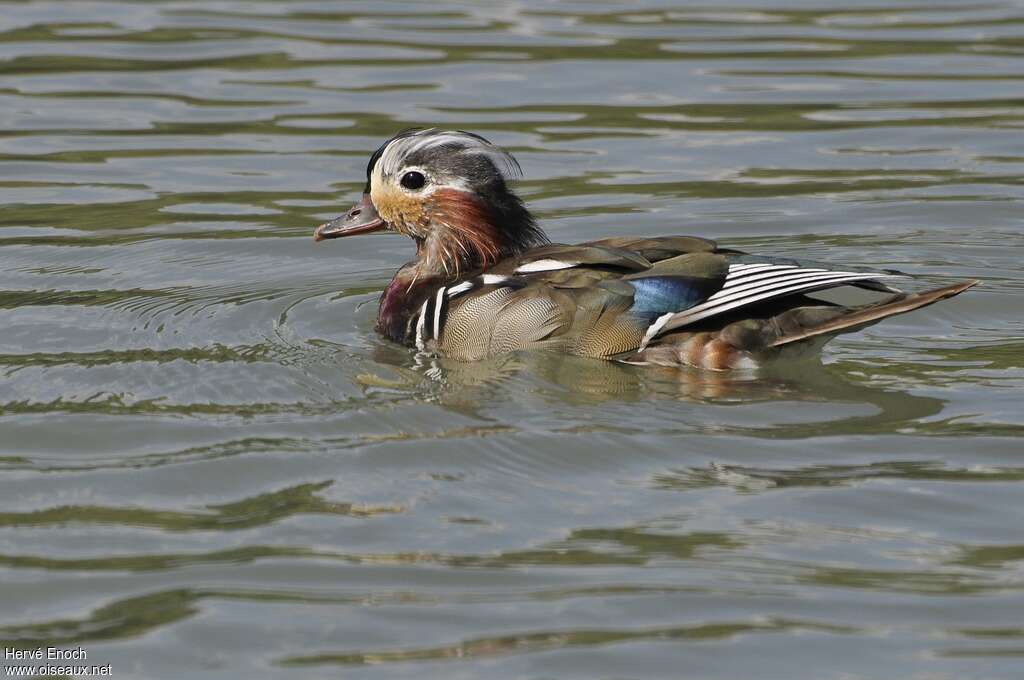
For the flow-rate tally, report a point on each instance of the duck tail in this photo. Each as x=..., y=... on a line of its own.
x=860, y=317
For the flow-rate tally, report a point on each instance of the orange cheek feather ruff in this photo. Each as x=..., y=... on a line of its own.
x=469, y=225
x=404, y=213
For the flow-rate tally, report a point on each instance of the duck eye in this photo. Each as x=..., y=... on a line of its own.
x=413, y=180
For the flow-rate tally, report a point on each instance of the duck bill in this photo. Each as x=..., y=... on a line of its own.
x=362, y=218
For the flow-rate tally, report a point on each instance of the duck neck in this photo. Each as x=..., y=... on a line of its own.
x=472, y=232
x=401, y=299
x=466, y=236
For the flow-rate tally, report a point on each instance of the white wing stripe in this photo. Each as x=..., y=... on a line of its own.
x=544, y=266
x=654, y=329
x=756, y=282
x=774, y=284
x=748, y=265
x=721, y=305
x=747, y=268
x=733, y=282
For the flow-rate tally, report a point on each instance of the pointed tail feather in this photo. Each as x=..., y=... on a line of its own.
x=868, y=315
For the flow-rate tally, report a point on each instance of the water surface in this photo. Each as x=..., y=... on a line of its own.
x=213, y=468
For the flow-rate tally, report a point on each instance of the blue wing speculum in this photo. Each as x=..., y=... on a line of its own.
x=657, y=295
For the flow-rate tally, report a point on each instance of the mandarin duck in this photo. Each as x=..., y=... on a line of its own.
x=486, y=280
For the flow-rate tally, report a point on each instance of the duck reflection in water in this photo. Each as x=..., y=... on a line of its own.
x=464, y=387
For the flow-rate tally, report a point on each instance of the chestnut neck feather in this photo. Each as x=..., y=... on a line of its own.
x=468, y=234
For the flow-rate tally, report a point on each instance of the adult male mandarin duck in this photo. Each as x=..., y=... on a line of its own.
x=487, y=281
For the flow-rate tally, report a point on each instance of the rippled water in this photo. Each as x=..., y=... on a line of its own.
x=212, y=466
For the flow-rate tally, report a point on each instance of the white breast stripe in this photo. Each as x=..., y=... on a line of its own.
x=459, y=288
x=438, y=301
x=482, y=280
x=419, y=326
x=544, y=266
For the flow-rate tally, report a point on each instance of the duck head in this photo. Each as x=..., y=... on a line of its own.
x=448, y=191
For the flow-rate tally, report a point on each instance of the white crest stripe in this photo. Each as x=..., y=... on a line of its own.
x=401, y=147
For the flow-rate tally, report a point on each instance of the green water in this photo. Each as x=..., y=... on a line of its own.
x=211, y=467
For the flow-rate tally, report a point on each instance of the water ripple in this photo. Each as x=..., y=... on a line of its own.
x=210, y=465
